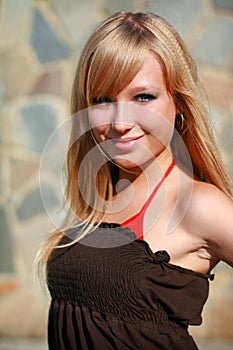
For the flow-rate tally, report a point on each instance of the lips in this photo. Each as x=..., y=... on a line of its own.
x=126, y=144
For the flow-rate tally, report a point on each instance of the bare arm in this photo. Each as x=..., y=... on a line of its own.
x=214, y=215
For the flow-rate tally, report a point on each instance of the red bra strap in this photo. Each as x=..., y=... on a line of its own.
x=147, y=203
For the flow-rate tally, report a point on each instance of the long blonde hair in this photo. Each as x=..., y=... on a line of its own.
x=111, y=58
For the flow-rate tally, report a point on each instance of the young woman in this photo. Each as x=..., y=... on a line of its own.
x=133, y=268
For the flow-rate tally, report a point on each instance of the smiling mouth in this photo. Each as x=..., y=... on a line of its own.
x=125, y=144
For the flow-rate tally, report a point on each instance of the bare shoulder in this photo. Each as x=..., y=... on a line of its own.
x=208, y=200
x=210, y=215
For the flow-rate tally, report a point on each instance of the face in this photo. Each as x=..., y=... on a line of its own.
x=137, y=125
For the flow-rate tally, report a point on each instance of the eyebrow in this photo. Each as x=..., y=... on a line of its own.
x=152, y=88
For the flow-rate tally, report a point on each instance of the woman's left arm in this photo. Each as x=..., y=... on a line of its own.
x=218, y=209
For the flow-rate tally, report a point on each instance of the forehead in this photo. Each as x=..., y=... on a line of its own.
x=149, y=76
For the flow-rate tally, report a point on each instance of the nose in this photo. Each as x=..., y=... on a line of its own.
x=122, y=121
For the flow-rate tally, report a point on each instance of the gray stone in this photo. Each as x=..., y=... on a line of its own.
x=215, y=345
x=215, y=45
x=32, y=204
x=120, y=5
x=230, y=167
x=23, y=344
x=47, y=44
x=182, y=14
x=227, y=139
x=39, y=121
x=79, y=18
x=2, y=182
x=6, y=246
x=2, y=90
x=225, y=4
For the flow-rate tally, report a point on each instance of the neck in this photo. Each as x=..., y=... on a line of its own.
x=153, y=170
x=137, y=185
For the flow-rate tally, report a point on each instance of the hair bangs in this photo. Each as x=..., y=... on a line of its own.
x=114, y=64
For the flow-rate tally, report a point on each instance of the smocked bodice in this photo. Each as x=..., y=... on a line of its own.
x=112, y=289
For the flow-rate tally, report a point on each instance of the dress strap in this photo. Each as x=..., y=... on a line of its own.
x=169, y=169
x=135, y=222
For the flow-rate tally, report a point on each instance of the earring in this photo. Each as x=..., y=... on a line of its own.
x=180, y=121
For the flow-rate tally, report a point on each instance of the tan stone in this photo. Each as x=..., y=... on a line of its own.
x=23, y=312
x=21, y=171
x=16, y=22
x=222, y=317
x=19, y=71
x=219, y=87
x=7, y=287
x=55, y=80
x=217, y=315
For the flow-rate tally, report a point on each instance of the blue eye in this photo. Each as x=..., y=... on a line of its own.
x=144, y=98
x=100, y=100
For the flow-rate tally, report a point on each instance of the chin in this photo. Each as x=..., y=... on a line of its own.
x=128, y=164
x=125, y=163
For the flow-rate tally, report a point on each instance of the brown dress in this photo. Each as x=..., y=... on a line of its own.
x=110, y=291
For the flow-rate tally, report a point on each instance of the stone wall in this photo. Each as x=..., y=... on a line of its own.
x=40, y=43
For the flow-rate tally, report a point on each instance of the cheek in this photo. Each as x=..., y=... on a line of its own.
x=168, y=110
x=159, y=126
x=172, y=114
x=100, y=132
x=100, y=115
x=99, y=122
x=166, y=107
x=163, y=127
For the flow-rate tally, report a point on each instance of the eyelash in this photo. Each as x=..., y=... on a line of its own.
x=144, y=98
x=141, y=98
x=100, y=100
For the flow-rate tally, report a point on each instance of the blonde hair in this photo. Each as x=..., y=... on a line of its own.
x=111, y=58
